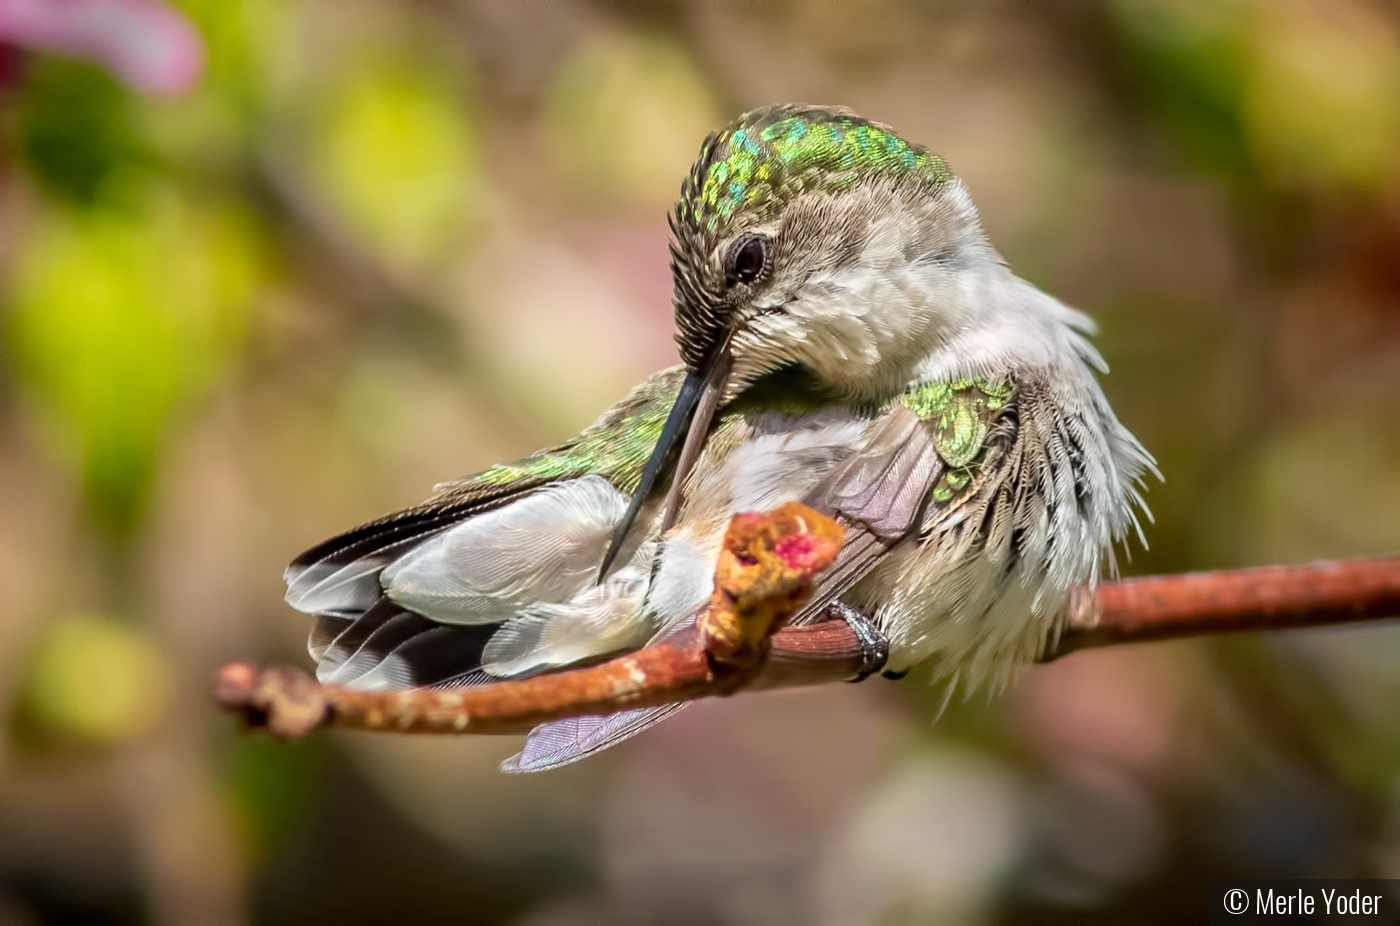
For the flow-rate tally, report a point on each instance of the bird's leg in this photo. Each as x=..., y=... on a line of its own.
x=874, y=646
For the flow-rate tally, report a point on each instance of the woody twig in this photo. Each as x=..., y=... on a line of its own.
x=1194, y=604
x=765, y=573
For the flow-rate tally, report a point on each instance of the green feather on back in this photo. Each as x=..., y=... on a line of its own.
x=616, y=446
x=960, y=415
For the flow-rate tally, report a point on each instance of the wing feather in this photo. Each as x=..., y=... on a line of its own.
x=341, y=575
x=563, y=742
x=366, y=638
x=878, y=494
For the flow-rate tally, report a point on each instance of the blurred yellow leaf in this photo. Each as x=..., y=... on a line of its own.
x=117, y=318
x=1323, y=99
x=626, y=115
x=97, y=679
x=398, y=160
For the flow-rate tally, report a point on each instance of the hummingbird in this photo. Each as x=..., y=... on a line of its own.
x=850, y=339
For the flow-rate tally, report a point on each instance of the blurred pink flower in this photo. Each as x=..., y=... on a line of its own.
x=149, y=45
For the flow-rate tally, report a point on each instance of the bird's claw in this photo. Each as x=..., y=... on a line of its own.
x=874, y=645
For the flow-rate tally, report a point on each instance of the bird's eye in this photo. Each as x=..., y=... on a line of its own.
x=746, y=260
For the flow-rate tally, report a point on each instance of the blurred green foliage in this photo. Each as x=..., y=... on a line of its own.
x=76, y=129
x=1308, y=96
x=1187, y=61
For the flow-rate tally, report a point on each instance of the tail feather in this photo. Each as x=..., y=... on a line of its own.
x=352, y=637
x=376, y=647
x=324, y=632
x=439, y=656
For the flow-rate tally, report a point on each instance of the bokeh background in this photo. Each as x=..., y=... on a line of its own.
x=272, y=268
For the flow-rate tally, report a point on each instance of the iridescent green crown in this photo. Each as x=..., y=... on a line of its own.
x=767, y=156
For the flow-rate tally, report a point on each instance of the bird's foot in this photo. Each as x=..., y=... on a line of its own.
x=874, y=646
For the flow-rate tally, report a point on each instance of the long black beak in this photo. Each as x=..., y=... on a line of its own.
x=691, y=414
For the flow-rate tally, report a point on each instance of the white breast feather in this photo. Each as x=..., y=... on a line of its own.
x=1070, y=491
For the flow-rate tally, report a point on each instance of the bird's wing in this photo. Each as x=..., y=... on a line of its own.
x=930, y=451
x=443, y=612
x=563, y=742
x=877, y=494
x=921, y=460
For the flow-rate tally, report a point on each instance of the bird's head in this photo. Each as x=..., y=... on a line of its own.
x=808, y=236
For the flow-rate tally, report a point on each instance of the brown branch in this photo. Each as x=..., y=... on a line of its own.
x=1265, y=598
x=290, y=704
x=766, y=569
x=1192, y=604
